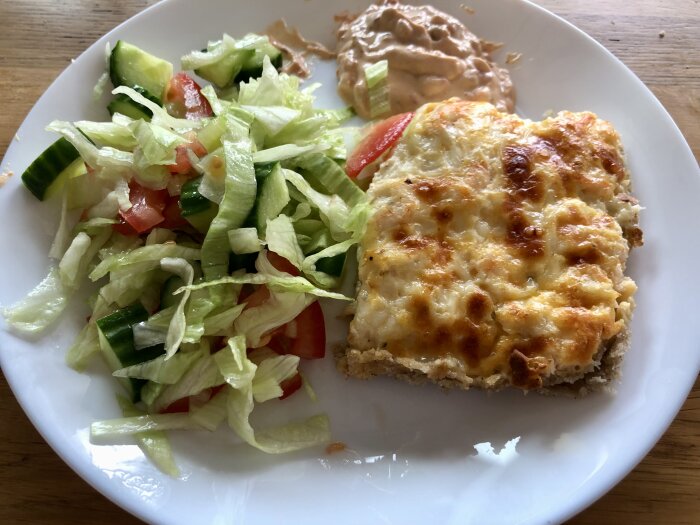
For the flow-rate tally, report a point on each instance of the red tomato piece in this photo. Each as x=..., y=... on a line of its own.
x=181, y=405
x=124, y=228
x=282, y=264
x=261, y=293
x=380, y=138
x=290, y=385
x=185, y=100
x=173, y=219
x=146, y=207
x=309, y=341
x=258, y=297
x=183, y=165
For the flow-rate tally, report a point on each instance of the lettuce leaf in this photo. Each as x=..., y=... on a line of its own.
x=153, y=443
x=42, y=306
x=178, y=324
x=282, y=239
x=160, y=369
x=238, y=200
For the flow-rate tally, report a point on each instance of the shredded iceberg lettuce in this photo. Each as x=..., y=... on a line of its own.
x=238, y=200
x=153, y=443
x=178, y=323
x=282, y=239
x=42, y=306
x=272, y=180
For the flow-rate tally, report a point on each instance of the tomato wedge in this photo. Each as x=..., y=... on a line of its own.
x=184, y=98
x=261, y=293
x=146, y=209
x=309, y=340
x=282, y=264
x=380, y=138
x=290, y=385
x=183, y=404
x=183, y=165
x=172, y=215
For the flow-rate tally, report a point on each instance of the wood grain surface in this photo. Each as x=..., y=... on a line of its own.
x=658, y=39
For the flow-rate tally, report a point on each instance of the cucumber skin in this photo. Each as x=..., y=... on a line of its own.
x=250, y=68
x=119, y=78
x=48, y=166
x=117, y=329
x=191, y=201
x=124, y=105
x=247, y=72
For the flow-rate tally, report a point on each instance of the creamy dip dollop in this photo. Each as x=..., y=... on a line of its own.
x=431, y=56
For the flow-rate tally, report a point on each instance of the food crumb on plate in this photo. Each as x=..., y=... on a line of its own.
x=4, y=177
x=336, y=446
x=662, y=34
x=467, y=9
x=513, y=57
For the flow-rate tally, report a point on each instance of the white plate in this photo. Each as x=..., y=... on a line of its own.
x=413, y=457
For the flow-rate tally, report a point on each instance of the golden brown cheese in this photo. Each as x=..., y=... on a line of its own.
x=496, y=250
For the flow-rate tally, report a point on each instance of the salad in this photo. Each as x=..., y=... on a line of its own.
x=211, y=219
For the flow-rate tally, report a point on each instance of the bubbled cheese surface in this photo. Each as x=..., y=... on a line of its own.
x=497, y=246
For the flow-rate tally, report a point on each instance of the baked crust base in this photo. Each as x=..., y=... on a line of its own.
x=377, y=362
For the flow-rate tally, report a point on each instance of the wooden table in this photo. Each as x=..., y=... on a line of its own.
x=658, y=39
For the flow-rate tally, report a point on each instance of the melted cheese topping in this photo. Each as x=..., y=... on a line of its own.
x=498, y=243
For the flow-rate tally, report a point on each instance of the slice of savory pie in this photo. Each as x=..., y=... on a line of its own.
x=495, y=253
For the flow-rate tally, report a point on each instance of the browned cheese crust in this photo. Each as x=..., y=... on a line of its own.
x=495, y=254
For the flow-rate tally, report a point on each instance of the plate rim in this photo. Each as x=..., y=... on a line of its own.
x=91, y=473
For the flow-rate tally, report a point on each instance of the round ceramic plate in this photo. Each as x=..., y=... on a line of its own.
x=411, y=455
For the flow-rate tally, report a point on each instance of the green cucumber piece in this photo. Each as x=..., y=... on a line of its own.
x=191, y=201
x=253, y=66
x=126, y=106
x=201, y=221
x=47, y=170
x=133, y=67
x=223, y=72
x=117, y=329
x=263, y=169
x=272, y=197
x=195, y=207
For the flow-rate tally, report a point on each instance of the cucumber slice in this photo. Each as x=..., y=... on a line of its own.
x=124, y=105
x=191, y=201
x=74, y=169
x=253, y=66
x=47, y=169
x=202, y=220
x=239, y=66
x=195, y=207
x=117, y=330
x=131, y=66
x=272, y=197
x=262, y=170
x=222, y=73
